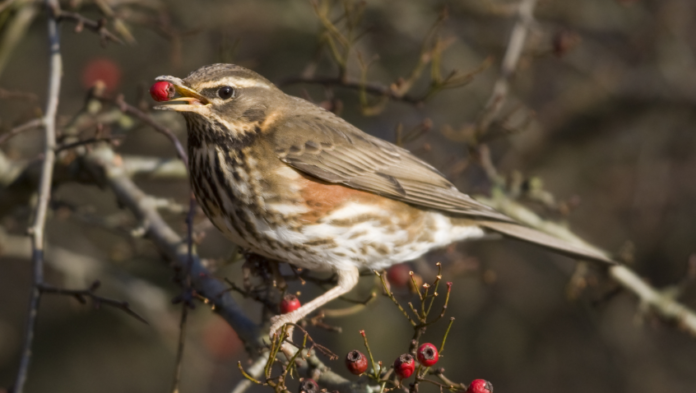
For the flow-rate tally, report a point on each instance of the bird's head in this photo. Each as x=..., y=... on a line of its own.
x=224, y=95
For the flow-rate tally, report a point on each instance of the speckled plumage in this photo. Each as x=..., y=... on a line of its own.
x=291, y=181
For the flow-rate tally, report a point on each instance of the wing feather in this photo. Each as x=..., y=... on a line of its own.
x=336, y=152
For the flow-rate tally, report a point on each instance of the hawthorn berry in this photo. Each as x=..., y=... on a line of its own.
x=356, y=362
x=398, y=276
x=308, y=386
x=162, y=91
x=404, y=366
x=480, y=386
x=289, y=303
x=101, y=70
x=427, y=354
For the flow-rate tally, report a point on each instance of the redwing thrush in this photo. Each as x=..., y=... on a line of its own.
x=291, y=181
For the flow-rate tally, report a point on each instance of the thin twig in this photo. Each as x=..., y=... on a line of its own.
x=16, y=95
x=372, y=88
x=81, y=294
x=145, y=118
x=98, y=27
x=516, y=43
x=180, y=347
x=187, y=295
x=36, y=231
x=152, y=167
x=89, y=141
x=28, y=126
x=253, y=372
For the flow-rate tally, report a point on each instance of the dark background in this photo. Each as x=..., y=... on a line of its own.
x=612, y=132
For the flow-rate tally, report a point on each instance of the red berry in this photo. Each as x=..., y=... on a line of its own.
x=220, y=340
x=162, y=91
x=289, y=303
x=398, y=275
x=308, y=386
x=101, y=70
x=480, y=386
x=404, y=366
x=428, y=355
x=356, y=362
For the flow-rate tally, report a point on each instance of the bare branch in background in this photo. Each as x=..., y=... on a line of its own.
x=518, y=38
x=89, y=293
x=369, y=87
x=661, y=303
x=81, y=23
x=17, y=95
x=28, y=126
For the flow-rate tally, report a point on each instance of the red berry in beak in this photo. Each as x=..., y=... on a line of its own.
x=290, y=303
x=480, y=386
x=404, y=366
x=356, y=362
x=428, y=355
x=162, y=91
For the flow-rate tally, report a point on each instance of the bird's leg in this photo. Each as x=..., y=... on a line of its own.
x=347, y=279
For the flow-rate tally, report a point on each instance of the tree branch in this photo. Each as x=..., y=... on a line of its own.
x=36, y=231
x=107, y=165
x=661, y=303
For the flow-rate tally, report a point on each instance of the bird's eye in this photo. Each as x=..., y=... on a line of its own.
x=225, y=92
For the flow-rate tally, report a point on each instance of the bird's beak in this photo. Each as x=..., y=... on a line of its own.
x=190, y=100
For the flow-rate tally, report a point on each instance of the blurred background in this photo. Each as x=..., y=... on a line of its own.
x=601, y=116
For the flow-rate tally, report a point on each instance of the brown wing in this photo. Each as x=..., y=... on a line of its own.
x=329, y=148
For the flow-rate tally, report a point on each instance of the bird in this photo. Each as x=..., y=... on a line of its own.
x=286, y=179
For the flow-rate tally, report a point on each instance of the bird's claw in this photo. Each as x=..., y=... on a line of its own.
x=279, y=321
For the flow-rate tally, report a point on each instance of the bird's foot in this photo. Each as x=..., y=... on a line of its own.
x=279, y=321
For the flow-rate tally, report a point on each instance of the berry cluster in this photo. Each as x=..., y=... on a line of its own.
x=419, y=360
x=405, y=365
x=419, y=363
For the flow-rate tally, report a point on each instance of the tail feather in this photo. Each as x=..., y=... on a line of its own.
x=520, y=232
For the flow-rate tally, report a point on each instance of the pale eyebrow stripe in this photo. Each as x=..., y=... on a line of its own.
x=235, y=82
